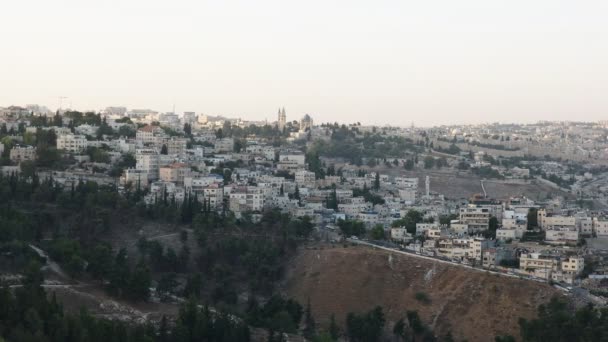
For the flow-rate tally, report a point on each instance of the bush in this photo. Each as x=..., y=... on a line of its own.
x=423, y=297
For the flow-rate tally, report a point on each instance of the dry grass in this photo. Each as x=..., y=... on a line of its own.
x=472, y=305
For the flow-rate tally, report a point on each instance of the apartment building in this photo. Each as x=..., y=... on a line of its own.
x=224, y=145
x=408, y=195
x=246, y=199
x=175, y=145
x=175, y=173
x=352, y=209
x=147, y=134
x=493, y=256
x=72, y=143
x=148, y=160
x=406, y=183
x=573, y=265
x=305, y=178
x=546, y=221
x=22, y=153
x=400, y=234
x=297, y=158
x=600, y=227
x=534, y=261
x=476, y=218
x=585, y=225
x=562, y=235
x=135, y=177
x=421, y=228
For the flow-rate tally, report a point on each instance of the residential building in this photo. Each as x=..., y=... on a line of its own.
x=175, y=173
x=147, y=134
x=400, y=234
x=475, y=217
x=135, y=177
x=224, y=145
x=22, y=153
x=305, y=178
x=148, y=160
x=73, y=143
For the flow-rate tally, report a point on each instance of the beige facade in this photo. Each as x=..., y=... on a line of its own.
x=533, y=261
x=477, y=219
x=305, y=178
x=22, y=153
x=72, y=143
x=174, y=173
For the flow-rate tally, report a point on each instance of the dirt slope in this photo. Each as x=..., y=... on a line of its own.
x=472, y=305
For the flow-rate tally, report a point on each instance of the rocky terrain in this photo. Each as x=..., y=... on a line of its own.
x=471, y=304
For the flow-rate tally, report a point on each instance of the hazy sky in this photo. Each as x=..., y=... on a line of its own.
x=397, y=62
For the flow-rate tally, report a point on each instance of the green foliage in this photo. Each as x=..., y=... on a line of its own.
x=377, y=232
x=532, y=218
x=492, y=226
x=28, y=315
x=332, y=201
x=446, y=219
x=487, y=172
x=334, y=330
x=533, y=236
x=453, y=149
x=415, y=322
x=429, y=162
x=399, y=328
x=278, y=314
x=348, y=144
x=79, y=118
x=409, y=221
x=365, y=327
x=97, y=155
x=422, y=297
x=368, y=195
x=557, y=322
x=315, y=165
x=409, y=164
x=351, y=228
x=245, y=252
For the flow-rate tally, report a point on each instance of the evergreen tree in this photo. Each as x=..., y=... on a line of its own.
x=334, y=330
x=309, y=322
x=377, y=181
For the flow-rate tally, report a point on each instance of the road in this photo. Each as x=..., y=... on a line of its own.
x=444, y=261
x=573, y=291
x=485, y=194
x=53, y=266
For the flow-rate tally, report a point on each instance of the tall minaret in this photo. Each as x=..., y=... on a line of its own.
x=282, y=119
x=427, y=183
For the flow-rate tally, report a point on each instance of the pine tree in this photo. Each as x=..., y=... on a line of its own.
x=334, y=330
x=309, y=322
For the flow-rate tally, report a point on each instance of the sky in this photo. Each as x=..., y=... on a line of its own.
x=379, y=62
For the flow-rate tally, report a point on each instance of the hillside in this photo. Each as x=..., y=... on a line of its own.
x=471, y=304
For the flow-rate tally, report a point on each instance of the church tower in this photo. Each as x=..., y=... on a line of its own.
x=282, y=119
